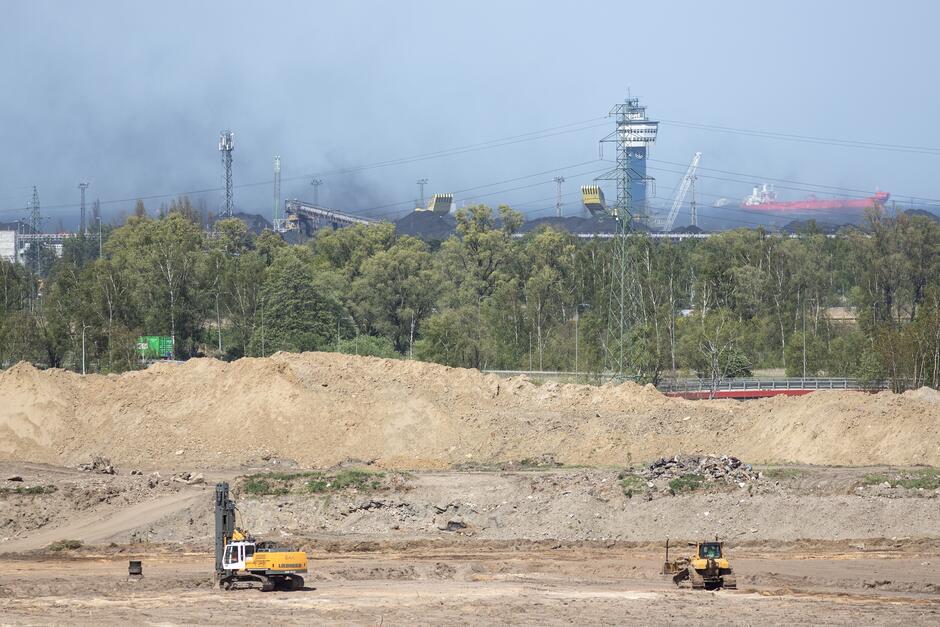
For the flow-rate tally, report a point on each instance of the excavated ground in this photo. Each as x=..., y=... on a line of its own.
x=520, y=546
x=433, y=495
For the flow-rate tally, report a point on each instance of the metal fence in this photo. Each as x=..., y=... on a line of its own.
x=809, y=383
x=672, y=386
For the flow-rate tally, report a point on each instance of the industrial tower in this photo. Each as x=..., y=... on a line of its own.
x=558, y=204
x=226, y=146
x=633, y=135
x=82, y=229
x=277, y=191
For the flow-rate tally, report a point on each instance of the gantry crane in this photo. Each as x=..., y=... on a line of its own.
x=667, y=223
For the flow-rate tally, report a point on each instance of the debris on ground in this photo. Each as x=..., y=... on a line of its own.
x=188, y=478
x=710, y=467
x=15, y=478
x=100, y=465
x=688, y=473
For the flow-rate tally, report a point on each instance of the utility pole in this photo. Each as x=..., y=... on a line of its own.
x=421, y=184
x=633, y=135
x=96, y=213
x=35, y=223
x=35, y=220
x=693, y=206
x=226, y=146
x=277, y=191
x=558, y=180
x=316, y=191
x=82, y=229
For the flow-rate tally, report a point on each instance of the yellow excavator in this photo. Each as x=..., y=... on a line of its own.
x=243, y=563
x=707, y=569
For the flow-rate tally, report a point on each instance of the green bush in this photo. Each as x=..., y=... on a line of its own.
x=263, y=487
x=357, y=478
x=686, y=483
x=65, y=545
x=631, y=484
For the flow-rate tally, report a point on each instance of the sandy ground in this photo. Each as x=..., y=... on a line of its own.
x=474, y=584
x=489, y=500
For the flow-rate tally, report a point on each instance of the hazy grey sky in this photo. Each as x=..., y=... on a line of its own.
x=131, y=96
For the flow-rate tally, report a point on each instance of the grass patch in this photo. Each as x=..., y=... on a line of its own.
x=356, y=478
x=686, y=483
x=631, y=484
x=65, y=545
x=926, y=479
x=872, y=479
x=316, y=482
x=263, y=486
x=36, y=489
x=782, y=473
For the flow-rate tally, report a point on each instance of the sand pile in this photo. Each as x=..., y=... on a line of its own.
x=323, y=408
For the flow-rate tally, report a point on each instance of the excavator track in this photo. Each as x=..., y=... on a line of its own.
x=247, y=582
x=729, y=582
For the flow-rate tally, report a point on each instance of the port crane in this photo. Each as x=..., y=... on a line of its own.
x=667, y=223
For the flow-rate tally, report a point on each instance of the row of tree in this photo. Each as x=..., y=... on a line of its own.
x=865, y=303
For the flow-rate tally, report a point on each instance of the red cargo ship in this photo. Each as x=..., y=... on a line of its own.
x=764, y=200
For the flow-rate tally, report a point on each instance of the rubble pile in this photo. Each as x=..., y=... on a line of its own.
x=710, y=468
x=100, y=465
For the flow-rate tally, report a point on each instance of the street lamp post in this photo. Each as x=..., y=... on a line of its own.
x=84, y=326
x=577, y=333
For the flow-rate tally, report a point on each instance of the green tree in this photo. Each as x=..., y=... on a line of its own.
x=294, y=315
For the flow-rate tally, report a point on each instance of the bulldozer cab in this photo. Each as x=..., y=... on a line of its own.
x=709, y=550
x=237, y=554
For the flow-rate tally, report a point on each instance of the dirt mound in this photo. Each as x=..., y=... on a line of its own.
x=924, y=394
x=322, y=408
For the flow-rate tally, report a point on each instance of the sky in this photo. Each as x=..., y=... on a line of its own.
x=131, y=96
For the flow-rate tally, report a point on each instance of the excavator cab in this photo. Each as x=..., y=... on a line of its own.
x=237, y=554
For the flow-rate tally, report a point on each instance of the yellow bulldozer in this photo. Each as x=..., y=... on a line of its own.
x=243, y=563
x=706, y=569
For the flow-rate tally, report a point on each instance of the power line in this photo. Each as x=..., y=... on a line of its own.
x=494, y=143
x=846, y=143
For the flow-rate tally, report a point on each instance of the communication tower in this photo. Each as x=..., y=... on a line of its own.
x=558, y=204
x=633, y=135
x=226, y=146
x=35, y=220
x=82, y=229
x=277, y=190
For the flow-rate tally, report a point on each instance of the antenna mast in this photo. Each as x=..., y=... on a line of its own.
x=277, y=190
x=82, y=228
x=226, y=146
